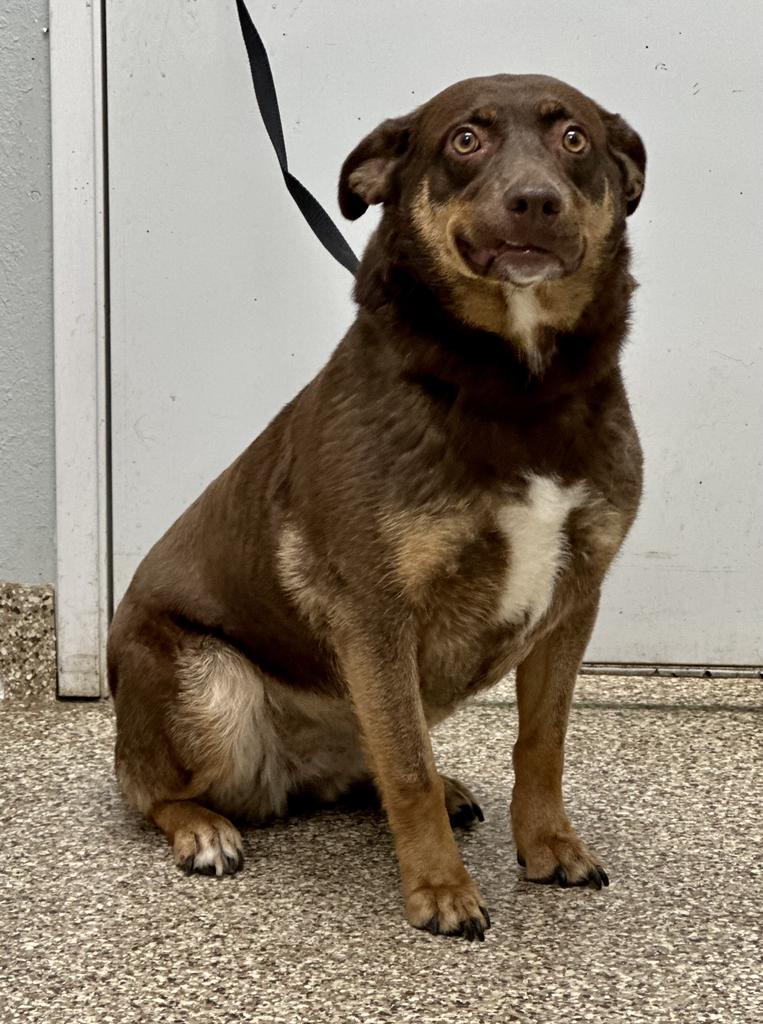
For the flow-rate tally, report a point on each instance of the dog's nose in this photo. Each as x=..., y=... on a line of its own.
x=540, y=204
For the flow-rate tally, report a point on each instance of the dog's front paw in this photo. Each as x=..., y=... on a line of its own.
x=455, y=909
x=560, y=858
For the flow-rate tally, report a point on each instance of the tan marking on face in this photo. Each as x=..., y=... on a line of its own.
x=517, y=314
x=564, y=300
x=435, y=223
x=488, y=115
x=480, y=302
x=549, y=108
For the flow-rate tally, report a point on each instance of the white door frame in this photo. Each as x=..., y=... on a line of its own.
x=80, y=317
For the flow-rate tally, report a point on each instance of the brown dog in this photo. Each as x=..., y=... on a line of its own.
x=438, y=506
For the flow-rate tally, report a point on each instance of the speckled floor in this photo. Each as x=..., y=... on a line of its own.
x=27, y=642
x=664, y=780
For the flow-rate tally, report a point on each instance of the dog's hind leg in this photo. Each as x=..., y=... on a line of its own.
x=195, y=740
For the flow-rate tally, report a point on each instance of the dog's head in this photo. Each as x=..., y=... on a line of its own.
x=502, y=184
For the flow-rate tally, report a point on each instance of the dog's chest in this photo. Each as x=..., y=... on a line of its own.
x=537, y=548
x=492, y=595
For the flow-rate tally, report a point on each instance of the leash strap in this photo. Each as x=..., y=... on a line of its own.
x=323, y=226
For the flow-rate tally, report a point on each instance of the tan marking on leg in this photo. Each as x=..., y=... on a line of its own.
x=203, y=842
x=439, y=894
x=546, y=841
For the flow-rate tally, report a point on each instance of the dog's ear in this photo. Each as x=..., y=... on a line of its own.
x=368, y=173
x=626, y=147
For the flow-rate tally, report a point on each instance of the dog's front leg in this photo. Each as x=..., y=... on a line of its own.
x=547, y=844
x=382, y=675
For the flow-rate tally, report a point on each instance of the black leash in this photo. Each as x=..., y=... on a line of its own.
x=264, y=89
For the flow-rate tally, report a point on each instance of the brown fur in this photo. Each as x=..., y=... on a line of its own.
x=438, y=506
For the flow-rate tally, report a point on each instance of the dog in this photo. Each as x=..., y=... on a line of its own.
x=437, y=507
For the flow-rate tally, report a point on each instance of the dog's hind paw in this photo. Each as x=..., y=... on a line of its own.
x=212, y=849
x=463, y=809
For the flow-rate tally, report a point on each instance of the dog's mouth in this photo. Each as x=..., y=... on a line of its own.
x=516, y=262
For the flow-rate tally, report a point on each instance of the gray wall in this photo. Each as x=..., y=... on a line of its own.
x=27, y=487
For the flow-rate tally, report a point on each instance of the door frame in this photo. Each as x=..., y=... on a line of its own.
x=81, y=354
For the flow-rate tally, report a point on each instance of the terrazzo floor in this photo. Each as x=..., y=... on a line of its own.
x=664, y=780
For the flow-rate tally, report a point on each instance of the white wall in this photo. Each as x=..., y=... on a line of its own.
x=223, y=304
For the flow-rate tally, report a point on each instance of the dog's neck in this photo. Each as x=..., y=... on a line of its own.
x=437, y=344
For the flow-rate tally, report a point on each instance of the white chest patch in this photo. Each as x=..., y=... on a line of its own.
x=535, y=532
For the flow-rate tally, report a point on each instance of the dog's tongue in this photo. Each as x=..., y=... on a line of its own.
x=517, y=263
x=520, y=248
x=483, y=257
x=517, y=260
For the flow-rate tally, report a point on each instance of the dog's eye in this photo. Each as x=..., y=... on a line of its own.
x=575, y=140
x=465, y=141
